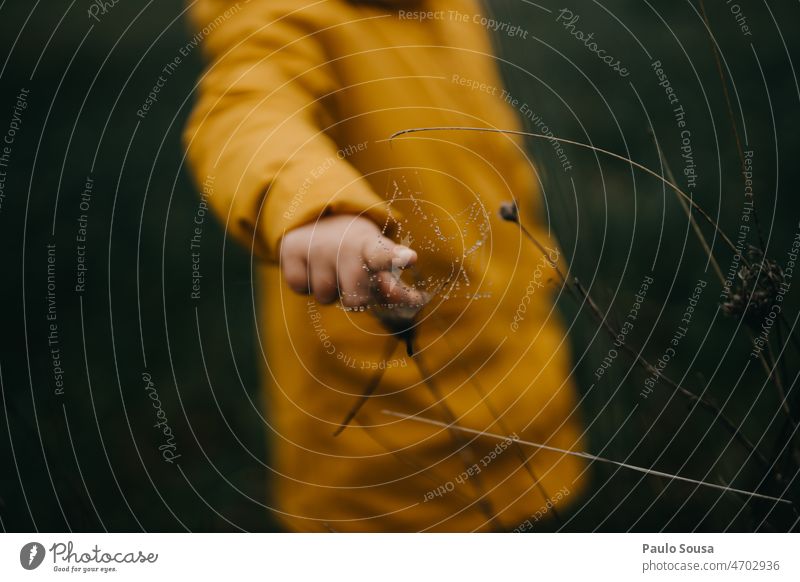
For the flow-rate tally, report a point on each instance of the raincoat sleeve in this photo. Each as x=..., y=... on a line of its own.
x=259, y=130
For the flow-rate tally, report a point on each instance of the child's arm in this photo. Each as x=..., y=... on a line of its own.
x=257, y=135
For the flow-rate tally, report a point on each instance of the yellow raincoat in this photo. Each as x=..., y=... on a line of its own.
x=291, y=123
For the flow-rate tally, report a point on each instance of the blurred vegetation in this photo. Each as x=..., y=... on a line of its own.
x=89, y=460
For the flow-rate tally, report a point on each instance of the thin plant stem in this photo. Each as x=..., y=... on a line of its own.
x=781, y=362
x=576, y=288
x=519, y=452
x=498, y=419
x=517, y=449
x=464, y=449
x=771, y=372
x=771, y=368
x=645, y=169
x=368, y=391
x=591, y=457
x=740, y=151
x=789, y=333
x=432, y=476
x=702, y=402
x=695, y=227
x=731, y=117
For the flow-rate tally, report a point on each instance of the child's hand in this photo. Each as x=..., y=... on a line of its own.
x=346, y=256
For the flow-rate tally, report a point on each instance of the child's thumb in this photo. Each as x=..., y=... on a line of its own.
x=384, y=254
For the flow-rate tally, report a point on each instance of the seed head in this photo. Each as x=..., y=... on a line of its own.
x=755, y=291
x=509, y=211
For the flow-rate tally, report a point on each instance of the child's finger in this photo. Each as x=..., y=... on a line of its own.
x=323, y=280
x=354, y=290
x=295, y=272
x=382, y=254
x=393, y=291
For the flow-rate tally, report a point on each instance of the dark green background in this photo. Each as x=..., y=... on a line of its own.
x=89, y=460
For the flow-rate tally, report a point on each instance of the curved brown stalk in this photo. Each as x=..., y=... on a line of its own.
x=368, y=391
x=517, y=448
x=495, y=416
x=433, y=477
x=577, y=289
x=771, y=371
x=597, y=458
x=650, y=369
x=637, y=165
x=464, y=449
x=695, y=227
x=520, y=452
x=731, y=117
